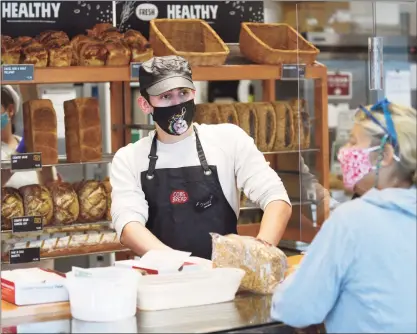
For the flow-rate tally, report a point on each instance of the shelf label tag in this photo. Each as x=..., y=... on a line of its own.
x=24, y=255
x=26, y=161
x=18, y=72
x=134, y=71
x=293, y=71
x=26, y=224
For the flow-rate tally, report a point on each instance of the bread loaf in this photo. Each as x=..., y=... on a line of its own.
x=82, y=130
x=11, y=206
x=40, y=129
x=65, y=201
x=37, y=201
x=118, y=53
x=285, y=127
x=267, y=126
x=93, y=200
x=248, y=120
x=207, y=113
x=227, y=113
x=107, y=186
x=92, y=53
x=301, y=120
x=59, y=52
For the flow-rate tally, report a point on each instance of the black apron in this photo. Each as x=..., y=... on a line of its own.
x=186, y=204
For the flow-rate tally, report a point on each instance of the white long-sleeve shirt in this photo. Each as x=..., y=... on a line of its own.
x=240, y=166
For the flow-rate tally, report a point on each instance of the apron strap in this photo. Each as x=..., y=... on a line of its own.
x=153, y=157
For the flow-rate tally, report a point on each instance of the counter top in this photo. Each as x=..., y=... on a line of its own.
x=245, y=311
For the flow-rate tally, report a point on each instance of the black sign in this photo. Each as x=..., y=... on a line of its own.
x=17, y=72
x=293, y=71
x=26, y=161
x=134, y=71
x=23, y=18
x=26, y=224
x=225, y=17
x=24, y=255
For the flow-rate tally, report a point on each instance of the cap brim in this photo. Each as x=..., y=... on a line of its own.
x=169, y=84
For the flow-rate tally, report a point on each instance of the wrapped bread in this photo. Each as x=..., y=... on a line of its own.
x=93, y=200
x=267, y=126
x=65, y=201
x=59, y=53
x=284, y=138
x=37, y=201
x=11, y=207
x=34, y=53
x=91, y=52
x=248, y=119
x=40, y=129
x=83, y=140
x=207, y=113
x=227, y=113
x=301, y=120
x=107, y=186
x=265, y=265
x=118, y=53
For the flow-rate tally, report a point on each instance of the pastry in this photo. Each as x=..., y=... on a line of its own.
x=207, y=113
x=65, y=200
x=11, y=206
x=139, y=46
x=248, y=119
x=34, y=53
x=227, y=113
x=40, y=129
x=98, y=29
x=46, y=36
x=37, y=201
x=118, y=53
x=267, y=126
x=91, y=52
x=59, y=53
x=93, y=200
x=284, y=138
x=10, y=52
x=107, y=186
x=82, y=130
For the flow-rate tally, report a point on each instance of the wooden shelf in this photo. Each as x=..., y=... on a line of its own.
x=81, y=74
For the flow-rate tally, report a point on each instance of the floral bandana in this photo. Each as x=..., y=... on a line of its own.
x=355, y=163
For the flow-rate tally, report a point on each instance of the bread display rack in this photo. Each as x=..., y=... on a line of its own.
x=120, y=79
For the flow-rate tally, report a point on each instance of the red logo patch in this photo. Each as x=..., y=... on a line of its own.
x=179, y=197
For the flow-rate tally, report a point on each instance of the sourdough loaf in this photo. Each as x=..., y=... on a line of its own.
x=11, y=206
x=82, y=130
x=107, y=186
x=227, y=113
x=40, y=129
x=207, y=113
x=93, y=200
x=284, y=138
x=301, y=120
x=248, y=119
x=267, y=126
x=65, y=200
x=37, y=201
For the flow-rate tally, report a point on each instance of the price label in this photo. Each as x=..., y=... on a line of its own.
x=18, y=72
x=24, y=255
x=26, y=161
x=293, y=71
x=134, y=71
x=27, y=224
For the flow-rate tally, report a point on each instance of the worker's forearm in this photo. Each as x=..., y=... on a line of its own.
x=139, y=239
x=5, y=176
x=274, y=221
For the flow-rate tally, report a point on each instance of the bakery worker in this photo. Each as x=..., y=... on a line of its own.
x=183, y=181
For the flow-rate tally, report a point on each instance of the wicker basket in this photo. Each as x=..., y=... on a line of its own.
x=192, y=39
x=275, y=44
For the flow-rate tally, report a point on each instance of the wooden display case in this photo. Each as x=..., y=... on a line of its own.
x=120, y=94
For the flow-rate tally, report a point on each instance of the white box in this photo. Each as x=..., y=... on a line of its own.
x=33, y=286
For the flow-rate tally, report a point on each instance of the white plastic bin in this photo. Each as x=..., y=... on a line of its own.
x=103, y=294
x=159, y=292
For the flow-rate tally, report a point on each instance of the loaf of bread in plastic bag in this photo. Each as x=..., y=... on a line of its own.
x=265, y=265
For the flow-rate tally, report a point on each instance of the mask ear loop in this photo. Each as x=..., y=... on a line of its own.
x=380, y=158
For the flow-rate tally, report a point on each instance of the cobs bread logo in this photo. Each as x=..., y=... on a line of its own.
x=17, y=10
x=146, y=12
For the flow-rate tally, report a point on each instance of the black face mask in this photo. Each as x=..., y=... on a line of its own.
x=175, y=120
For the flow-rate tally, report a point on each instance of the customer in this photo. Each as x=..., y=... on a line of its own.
x=359, y=273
